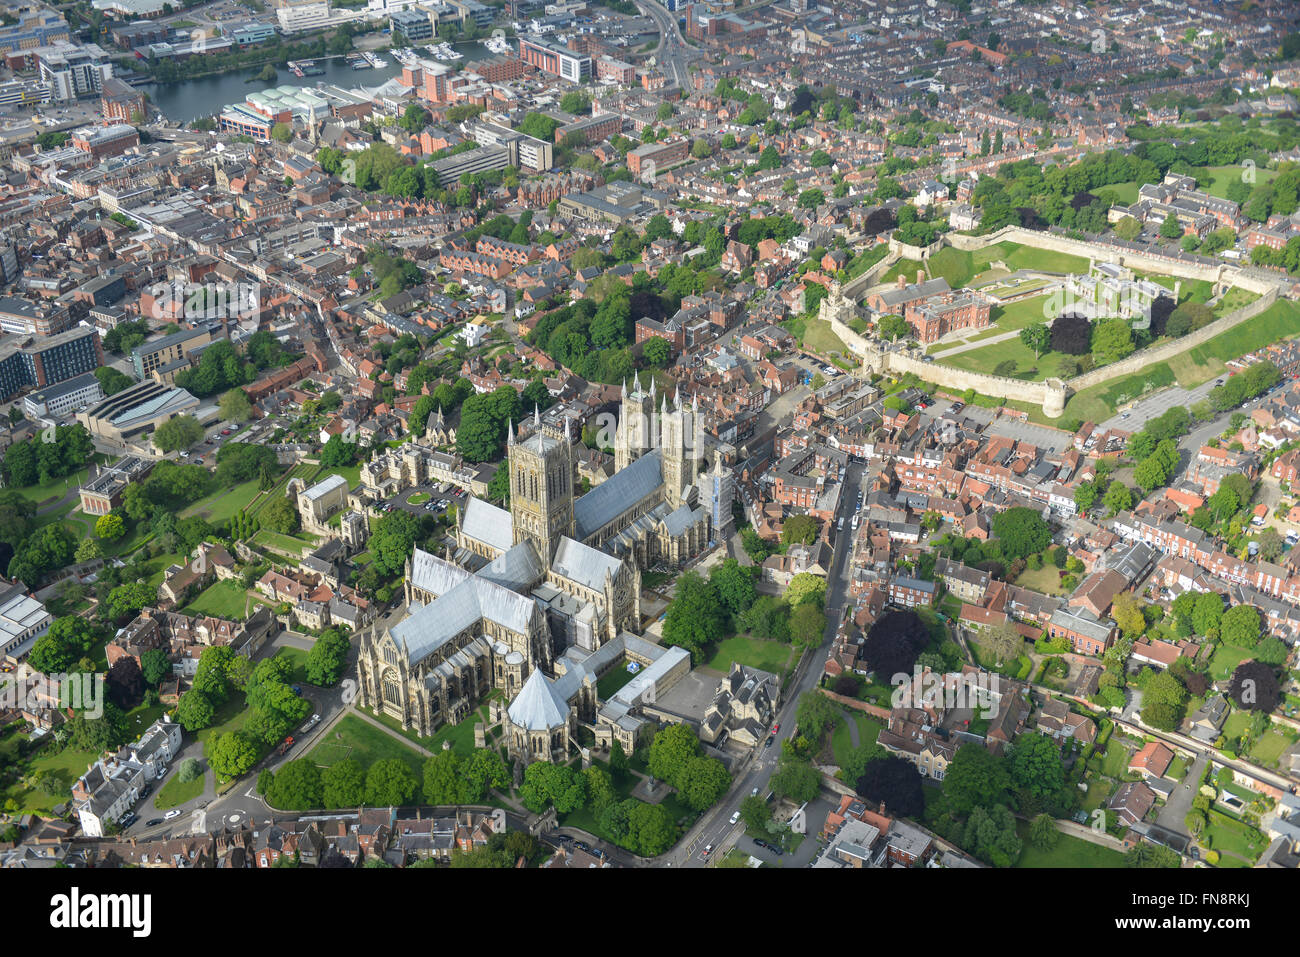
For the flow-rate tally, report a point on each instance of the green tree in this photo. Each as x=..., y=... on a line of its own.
x=232, y=754
x=234, y=406
x=695, y=618
x=389, y=783
x=177, y=433
x=1021, y=532
x=735, y=586
x=975, y=778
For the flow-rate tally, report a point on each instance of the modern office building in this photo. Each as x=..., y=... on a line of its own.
x=25, y=317
x=23, y=619
x=413, y=24
x=554, y=59
x=56, y=401
x=35, y=28
x=136, y=410
x=28, y=362
x=161, y=352
x=73, y=70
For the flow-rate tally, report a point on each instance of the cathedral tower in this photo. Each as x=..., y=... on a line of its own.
x=636, y=431
x=680, y=450
x=541, y=489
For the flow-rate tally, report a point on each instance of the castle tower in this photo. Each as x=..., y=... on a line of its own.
x=541, y=491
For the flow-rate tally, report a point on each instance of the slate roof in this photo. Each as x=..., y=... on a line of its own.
x=583, y=564
x=617, y=494
x=432, y=625
x=537, y=707
x=484, y=522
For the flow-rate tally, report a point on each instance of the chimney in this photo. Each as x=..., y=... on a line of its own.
x=920, y=276
x=902, y=281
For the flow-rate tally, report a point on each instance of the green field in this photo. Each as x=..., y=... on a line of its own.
x=616, y=678
x=54, y=489
x=1045, y=260
x=842, y=744
x=1269, y=747
x=1215, y=180
x=818, y=337
x=1201, y=363
x=364, y=743
x=288, y=544
x=1046, y=580
x=1070, y=851
x=222, y=504
x=953, y=264
x=297, y=662
x=904, y=267
x=759, y=653
x=224, y=599
x=174, y=792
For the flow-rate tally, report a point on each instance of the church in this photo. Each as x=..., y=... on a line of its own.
x=532, y=595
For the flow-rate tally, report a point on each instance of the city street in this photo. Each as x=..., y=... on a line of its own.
x=715, y=827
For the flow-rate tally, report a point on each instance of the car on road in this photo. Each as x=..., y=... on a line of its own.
x=1124, y=415
x=769, y=741
x=154, y=823
x=754, y=793
x=735, y=816
x=173, y=813
x=708, y=849
x=776, y=728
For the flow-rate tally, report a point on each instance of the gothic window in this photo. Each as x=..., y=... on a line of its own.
x=392, y=689
x=390, y=654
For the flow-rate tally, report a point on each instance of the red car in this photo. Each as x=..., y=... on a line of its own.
x=225, y=431
x=776, y=727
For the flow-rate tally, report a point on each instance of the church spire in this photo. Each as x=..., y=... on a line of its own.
x=510, y=433
x=625, y=387
x=636, y=382
x=677, y=396
x=537, y=416
x=652, y=387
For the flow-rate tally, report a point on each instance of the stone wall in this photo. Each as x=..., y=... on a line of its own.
x=1145, y=358
x=1052, y=394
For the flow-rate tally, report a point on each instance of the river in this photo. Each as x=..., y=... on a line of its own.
x=192, y=99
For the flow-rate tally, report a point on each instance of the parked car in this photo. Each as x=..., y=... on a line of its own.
x=154, y=823
x=769, y=741
x=129, y=818
x=173, y=813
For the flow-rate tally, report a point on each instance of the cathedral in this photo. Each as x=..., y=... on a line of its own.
x=535, y=597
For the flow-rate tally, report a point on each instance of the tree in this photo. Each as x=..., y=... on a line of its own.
x=1036, y=337
x=1240, y=626
x=893, y=327
x=735, y=586
x=990, y=834
x=795, y=780
x=1171, y=228
x=554, y=784
x=671, y=751
x=894, y=782
x=1163, y=702
x=756, y=813
x=127, y=600
x=815, y=715
x=694, y=619
x=1043, y=833
x=296, y=787
x=1254, y=687
x=393, y=541
x=1036, y=765
x=1021, y=531
x=190, y=770
x=1272, y=651
x=1003, y=641
x=1112, y=340
x=279, y=515
x=232, y=754
x=807, y=622
x=1118, y=498
x=893, y=643
x=702, y=782
x=1207, y=613
x=1071, y=334
x=155, y=666
x=125, y=683
x=50, y=656
x=1128, y=615
x=389, y=783
x=234, y=406
x=799, y=529
x=327, y=658
x=700, y=149
x=194, y=711
x=652, y=828
x=484, y=771
x=111, y=381
x=1128, y=228
x=177, y=433
x=806, y=588
x=975, y=778
x=657, y=352
x=1145, y=854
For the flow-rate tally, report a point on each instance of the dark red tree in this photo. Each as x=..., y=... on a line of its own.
x=894, y=642
x=1254, y=687
x=894, y=782
x=1072, y=334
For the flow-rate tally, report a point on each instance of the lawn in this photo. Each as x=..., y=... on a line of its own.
x=842, y=744
x=1177, y=769
x=1070, y=851
x=904, y=267
x=1232, y=836
x=607, y=686
x=1215, y=180
x=770, y=656
x=1045, y=580
x=363, y=742
x=953, y=264
x=224, y=599
x=297, y=664
x=53, y=489
x=67, y=765
x=1124, y=194
x=174, y=793
x=1023, y=312
x=288, y=544
x=818, y=337
x=460, y=735
x=1279, y=321
x=1045, y=260
x=419, y=498
x=1225, y=661
x=222, y=504
x=1115, y=762
x=1269, y=747
x=991, y=357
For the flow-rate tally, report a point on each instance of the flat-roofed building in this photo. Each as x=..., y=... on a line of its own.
x=136, y=410
x=103, y=492
x=23, y=619
x=161, y=352
x=58, y=400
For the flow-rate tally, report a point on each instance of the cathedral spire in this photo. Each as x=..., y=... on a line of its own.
x=510, y=433
x=625, y=387
x=636, y=382
x=677, y=396
x=568, y=440
x=652, y=387
x=537, y=416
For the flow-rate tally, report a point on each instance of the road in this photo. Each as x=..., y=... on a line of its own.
x=715, y=828
x=673, y=52
x=209, y=813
